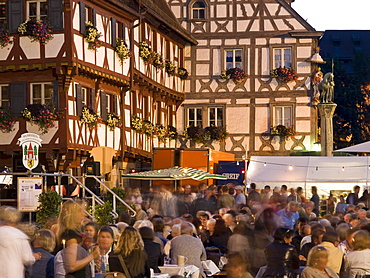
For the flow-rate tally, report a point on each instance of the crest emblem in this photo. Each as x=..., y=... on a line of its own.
x=30, y=144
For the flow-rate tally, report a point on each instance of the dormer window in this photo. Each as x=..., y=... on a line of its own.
x=199, y=10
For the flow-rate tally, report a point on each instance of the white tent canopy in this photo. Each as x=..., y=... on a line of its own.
x=327, y=173
x=359, y=148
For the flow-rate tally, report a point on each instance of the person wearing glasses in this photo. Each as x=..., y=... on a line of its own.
x=281, y=256
x=317, y=264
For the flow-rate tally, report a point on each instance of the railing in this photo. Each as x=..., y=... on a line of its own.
x=94, y=198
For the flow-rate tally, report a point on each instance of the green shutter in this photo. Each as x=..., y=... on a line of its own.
x=18, y=93
x=15, y=12
x=56, y=14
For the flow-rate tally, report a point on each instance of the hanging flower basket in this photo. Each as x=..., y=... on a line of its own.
x=235, y=74
x=170, y=68
x=137, y=123
x=92, y=36
x=113, y=121
x=5, y=39
x=183, y=73
x=161, y=133
x=37, y=30
x=284, y=132
x=6, y=121
x=284, y=75
x=145, y=52
x=121, y=50
x=157, y=60
x=148, y=128
x=196, y=134
x=42, y=115
x=90, y=117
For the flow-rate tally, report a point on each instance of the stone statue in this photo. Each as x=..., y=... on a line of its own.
x=326, y=88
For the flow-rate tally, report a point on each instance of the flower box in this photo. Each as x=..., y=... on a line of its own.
x=284, y=75
x=36, y=30
x=236, y=74
x=121, y=50
x=6, y=121
x=92, y=36
x=42, y=115
x=284, y=132
x=90, y=117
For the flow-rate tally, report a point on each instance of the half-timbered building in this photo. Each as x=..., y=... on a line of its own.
x=79, y=71
x=257, y=37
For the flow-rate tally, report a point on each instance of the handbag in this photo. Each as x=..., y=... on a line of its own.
x=125, y=270
x=114, y=275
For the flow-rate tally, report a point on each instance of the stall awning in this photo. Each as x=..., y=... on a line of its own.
x=174, y=173
x=359, y=148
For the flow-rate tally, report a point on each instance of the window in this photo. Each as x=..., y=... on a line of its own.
x=283, y=115
x=42, y=93
x=233, y=58
x=195, y=117
x=199, y=10
x=37, y=9
x=216, y=116
x=283, y=57
x=2, y=12
x=4, y=96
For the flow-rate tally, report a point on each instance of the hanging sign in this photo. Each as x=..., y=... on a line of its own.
x=30, y=143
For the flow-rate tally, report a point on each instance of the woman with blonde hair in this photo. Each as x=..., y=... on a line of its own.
x=76, y=260
x=359, y=258
x=317, y=264
x=130, y=248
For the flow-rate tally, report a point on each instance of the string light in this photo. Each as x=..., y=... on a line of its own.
x=317, y=168
x=290, y=167
x=343, y=168
x=264, y=164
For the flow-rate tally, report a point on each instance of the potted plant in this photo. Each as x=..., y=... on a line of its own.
x=236, y=74
x=50, y=202
x=90, y=117
x=284, y=132
x=172, y=132
x=148, y=128
x=4, y=35
x=183, y=73
x=6, y=121
x=36, y=30
x=113, y=121
x=170, y=68
x=216, y=133
x=161, y=133
x=284, y=75
x=145, y=52
x=92, y=36
x=122, y=50
x=196, y=134
x=42, y=115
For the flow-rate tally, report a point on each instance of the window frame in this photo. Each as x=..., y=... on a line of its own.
x=205, y=109
x=1, y=96
x=3, y=19
x=38, y=9
x=42, y=92
x=243, y=60
x=191, y=9
x=273, y=107
x=282, y=47
x=195, y=118
x=216, y=120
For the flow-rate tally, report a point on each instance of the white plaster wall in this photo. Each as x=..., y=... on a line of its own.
x=262, y=119
x=127, y=118
x=265, y=61
x=216, y=61
x=275, y=40
x=242, y=25
x=304, y=52
x=71, y=130
x=303, y=100
x=4, y=53
x=272, y=8
x=53, y=47
x=221, y=10
x=237, y=119
x=100, y=55
x=261, y=41
x=31, y=49
x=78, y=41
x=76, y=16
x=303, y=67
x=202, y=69
x=303, y=126
x=214, y=42
x=203, y=54
x=230, y=42
x=303, y=111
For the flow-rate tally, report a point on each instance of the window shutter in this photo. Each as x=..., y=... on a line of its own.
x=92, y=98
x=113, y=22
x=18, y=93
x=82, y=18
x=93, y=17
x=103, y=105
x=56, y=14
x=78, y=88
x=15, y=14
x=123, y=31
x=56, y=94
x=115, y=104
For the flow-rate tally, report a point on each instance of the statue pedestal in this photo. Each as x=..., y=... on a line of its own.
x=326, y=114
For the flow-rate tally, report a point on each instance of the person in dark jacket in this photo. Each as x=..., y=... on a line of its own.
x=220, y=237
x=281, y=256
x=152, y=249
x=131, y=247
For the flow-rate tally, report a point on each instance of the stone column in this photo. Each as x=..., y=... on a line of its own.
x=326, y=114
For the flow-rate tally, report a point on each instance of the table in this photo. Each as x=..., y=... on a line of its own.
x=172, y=269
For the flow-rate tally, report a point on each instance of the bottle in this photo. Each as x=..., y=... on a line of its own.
x=104, y=263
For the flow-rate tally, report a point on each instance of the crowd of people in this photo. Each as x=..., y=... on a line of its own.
x=270, y=233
